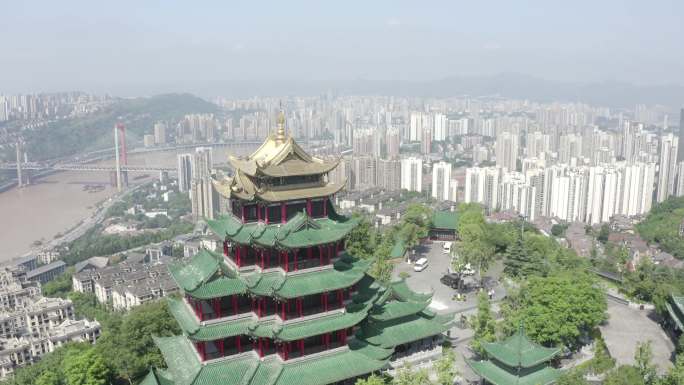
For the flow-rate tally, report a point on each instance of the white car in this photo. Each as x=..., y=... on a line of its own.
x=420, y=264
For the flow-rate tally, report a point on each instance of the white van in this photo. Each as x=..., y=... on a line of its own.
x=420, y=265
x=446, y=248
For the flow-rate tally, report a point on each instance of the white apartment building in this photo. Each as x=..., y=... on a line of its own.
x=412, y=174
x=441, y=181
x=507, y=150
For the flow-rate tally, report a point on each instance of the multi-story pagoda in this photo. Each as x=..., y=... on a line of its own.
x=281, y=302
x=517, y=361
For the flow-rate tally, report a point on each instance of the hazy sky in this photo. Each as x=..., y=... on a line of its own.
x=152, y=46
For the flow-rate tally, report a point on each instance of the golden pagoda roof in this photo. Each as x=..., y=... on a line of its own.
x=280, y=156
x=241, y=186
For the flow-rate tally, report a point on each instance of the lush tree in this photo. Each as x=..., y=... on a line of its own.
x=48, y=378
x=415, y=224
x=373, y=379
x=624, y=375
x=661, y=225
x=483, y=324
x=49, y=363
x=128, y=346
x=675, y=375
x=520, y=262
x=602, y=361
x=86, y=368
x=360, y=240
x=445, y=367
x=572, y=377
x=558, y=230
x=408, y=376
x=643, y=358
x=603, y=233
x=60, y=286
x=557, y=310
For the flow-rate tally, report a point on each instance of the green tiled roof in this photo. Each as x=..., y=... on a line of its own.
x=181, y=359
x=221, y=286
x=499, y=376
x=389, y=334
x=445, y=220
x=156, y=377
x=396, y=309
x=328, y=369
x=250, y=370
x=518, y=351
x=299, y=231
x=675, y=307
x=201, y=267
x=402, y=292
x=203, y=278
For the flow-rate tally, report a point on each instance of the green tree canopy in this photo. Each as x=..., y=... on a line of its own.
x=483, y=324
x=624, y=375
x=558, y=309
x=85, y=368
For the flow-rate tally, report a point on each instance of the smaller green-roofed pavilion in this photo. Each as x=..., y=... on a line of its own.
x=444, y=224
x=517, y=361
x=675, y=310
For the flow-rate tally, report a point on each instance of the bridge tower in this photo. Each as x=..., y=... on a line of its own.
x=121, y=155
x=23, y=176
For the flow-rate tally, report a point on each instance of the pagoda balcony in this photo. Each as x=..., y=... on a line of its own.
x=240, y=306
x=264, y=347
x=249, y=212
x=245, y=258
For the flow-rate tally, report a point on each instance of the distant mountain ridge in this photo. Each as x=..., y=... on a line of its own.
x=609, y=94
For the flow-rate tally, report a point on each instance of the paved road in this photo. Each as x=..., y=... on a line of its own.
x=428, y=280
x=626, y=327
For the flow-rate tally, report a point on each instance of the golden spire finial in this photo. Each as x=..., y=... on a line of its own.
x=280, y=134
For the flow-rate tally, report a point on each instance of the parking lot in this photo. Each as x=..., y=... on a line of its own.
x=428, y=279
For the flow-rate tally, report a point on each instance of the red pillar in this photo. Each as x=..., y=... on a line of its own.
x=287, y=262
x=283, y=314
x=301, y=347
x=309, y=253
x=266, y=214
x=243, y=213
x=308, y=206
x=237, y=255
x=300, y=307
x=261, y=347
x=221, y=348
x=340, y=297
x=325, y=301
x=235, y=304
x=295, y=251
x=238, y=343
x=325, y=206
x=320, y=255
x=283, y=212
x=217, y=307
x=258, y=206
x=262, y=257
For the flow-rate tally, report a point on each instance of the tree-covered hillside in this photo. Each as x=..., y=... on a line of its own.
x=70, y=136
x=662, y=226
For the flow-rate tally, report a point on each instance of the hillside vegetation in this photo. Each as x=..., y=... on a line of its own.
x=662, y=226
x=71, y=136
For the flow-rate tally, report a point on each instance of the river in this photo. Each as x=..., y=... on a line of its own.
x=54, y=204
